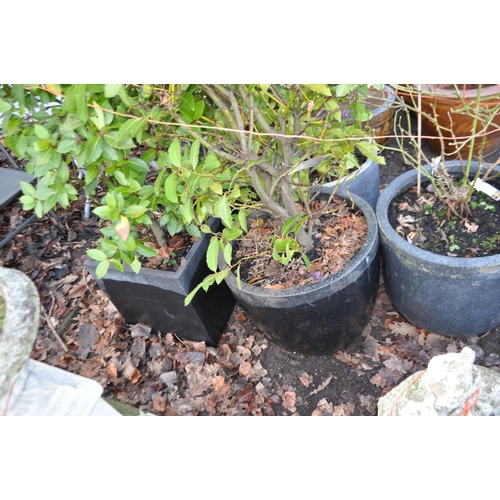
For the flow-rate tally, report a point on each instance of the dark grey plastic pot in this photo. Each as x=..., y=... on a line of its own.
x=323, y=317
x=451, y=296
x=156, y=297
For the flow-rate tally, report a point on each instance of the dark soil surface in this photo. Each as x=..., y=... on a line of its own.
x=254, y=252
x=246, y=374
x=431, y=224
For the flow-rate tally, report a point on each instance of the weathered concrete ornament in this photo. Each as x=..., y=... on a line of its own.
x=451, y=385
x=22, y=311
x=28, y=387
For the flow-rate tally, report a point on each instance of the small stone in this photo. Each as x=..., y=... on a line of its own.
x=169, y=377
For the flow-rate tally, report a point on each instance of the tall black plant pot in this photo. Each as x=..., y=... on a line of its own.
x=451, y=296
x=323, y=317
x=156, y=297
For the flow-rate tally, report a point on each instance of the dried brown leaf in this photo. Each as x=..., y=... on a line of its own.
x=245, y=395
x=343, y=410
x=403, y=328
x=323, y=409
x=397, y=364
x=472, y=227
x=128, y=369
x=86, y=339
x=134, y=378
x=306, y=379
x=199, y=378
x=289, y=400
x=160, y=404
x=112, y=370
x=220, y=386
x=245, y=368
x=369, y=403
x=385, y=378
x=321, y=386
x=258, y=371
x=345, y=358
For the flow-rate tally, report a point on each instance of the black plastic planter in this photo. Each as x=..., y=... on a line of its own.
x=451, y=296
x=156, y=297
x=323, y=317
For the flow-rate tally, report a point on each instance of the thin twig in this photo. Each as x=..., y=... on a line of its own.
x=47, y=320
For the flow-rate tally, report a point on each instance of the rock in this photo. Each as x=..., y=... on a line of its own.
x=169, y=377
x=451, y=385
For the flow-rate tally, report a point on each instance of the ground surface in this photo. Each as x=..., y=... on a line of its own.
x=247, y=374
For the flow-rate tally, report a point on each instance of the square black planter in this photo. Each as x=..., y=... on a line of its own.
x=156, y=298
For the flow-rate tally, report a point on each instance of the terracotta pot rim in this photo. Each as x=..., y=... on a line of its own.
x=488, y=90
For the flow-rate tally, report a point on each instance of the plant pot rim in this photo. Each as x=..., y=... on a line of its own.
x=328, y=284
x=488, y=90
x=191, y=255
x=391, y=93
x=401, y=184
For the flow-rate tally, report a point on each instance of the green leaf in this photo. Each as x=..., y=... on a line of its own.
x=320, y=89
x=146, y=251
x=109, y=152
x=130, y=128
x=138, y=165
x=238, y=277
x=45, y=192
x=71, y=122
x=216, y=187
x=41, y=145
x=293, y=224
x=41, y=132
x=231, y=234
x=28, y=202
x=4, y=106
x=211, y=163
x=81, y=102
x=367, y=149
x=195, y=153
x=27, y=188
x=171, y=188
x=136, y=266
x=97, y=255
x=213, y=254
x=228, y=253
x=209, y=280
x=243, y=220
x=94, y=149
x=66, y=146
x=199, y=107
x=174, y=152
x=103, y=212
x=118, y=265
x=220, y=277
x=134, y=211
x=111, y=89
x=102, y=268
x=98, y=120
x=223, y=211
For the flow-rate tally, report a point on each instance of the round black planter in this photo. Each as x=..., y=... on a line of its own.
x=451, y=296
x=323, y=317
